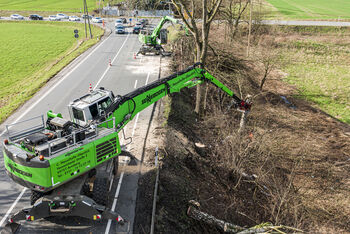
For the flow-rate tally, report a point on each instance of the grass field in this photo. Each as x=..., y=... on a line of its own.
x=31, y=53
x=319, y=66
x=312, y=9
x=49, y=5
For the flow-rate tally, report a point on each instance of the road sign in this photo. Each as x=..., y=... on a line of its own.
x=76, y=31
x=76, y=35
x=130, y=19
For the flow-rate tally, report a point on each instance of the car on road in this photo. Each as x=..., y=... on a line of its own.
x=74, y=18
x=54, y=18
x=97, y=20
x=17, y=17
x=119, y=29
x=139, y=25
x=62, y=16
x=136, y=29
x=118, y=21
x=35, y=17
x=144, y=22
x=86, y=16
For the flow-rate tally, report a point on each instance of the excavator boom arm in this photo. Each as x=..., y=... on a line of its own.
x=125, y=108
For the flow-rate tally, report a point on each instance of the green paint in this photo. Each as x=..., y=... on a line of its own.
x=39, y=176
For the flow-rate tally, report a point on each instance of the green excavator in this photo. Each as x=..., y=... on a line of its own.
x=152, y=40
x=69, y=164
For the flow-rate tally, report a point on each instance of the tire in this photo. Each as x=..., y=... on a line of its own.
x=100, y=191
x=34, y=196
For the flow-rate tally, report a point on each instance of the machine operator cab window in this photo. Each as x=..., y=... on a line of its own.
x=90, y=107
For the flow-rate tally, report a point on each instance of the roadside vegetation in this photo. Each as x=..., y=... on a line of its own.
x=318, y=64
x=31, y=54
x=310, y=9
x=290, y=166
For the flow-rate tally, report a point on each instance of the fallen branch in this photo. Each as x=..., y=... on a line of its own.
x=198, y=215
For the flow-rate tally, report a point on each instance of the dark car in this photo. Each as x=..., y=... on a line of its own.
x=136, y=30
x=35, y=17
x=144, y=22
x=124, y=20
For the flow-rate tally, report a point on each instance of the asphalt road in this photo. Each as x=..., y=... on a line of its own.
x=125, y=74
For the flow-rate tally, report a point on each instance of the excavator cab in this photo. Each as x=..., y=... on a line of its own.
x=90, y=107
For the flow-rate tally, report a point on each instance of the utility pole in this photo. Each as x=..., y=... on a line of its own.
x=250, y=26
x=86, y=13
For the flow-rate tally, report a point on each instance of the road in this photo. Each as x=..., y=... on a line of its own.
x=125, y=74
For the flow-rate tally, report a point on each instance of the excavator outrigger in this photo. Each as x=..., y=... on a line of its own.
x=60, y=159
x=152, y=40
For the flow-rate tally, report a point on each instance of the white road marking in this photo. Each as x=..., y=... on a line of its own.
x=115, y=201
x=147, y=78
x=108, y=227
x=13, y=206
x=135, y=84
x=103, y=75
x=55, y=85
x=32, y=106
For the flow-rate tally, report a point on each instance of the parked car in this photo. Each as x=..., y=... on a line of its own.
x=97, y=20
x=54, y=18
x=62, y=16
x=74, y=18
x=35, y=17
x=86, y=16
x=119, y=29
x=118, y=21
x=136, y=29
x=17, y=17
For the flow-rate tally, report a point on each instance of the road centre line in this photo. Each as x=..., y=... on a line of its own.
x=135, y=84
x=109, y=66
x=33, y=105
x=122, y=174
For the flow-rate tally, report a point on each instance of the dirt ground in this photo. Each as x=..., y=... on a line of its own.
x=289, y=167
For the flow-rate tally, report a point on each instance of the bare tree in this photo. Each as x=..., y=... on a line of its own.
x=200, y=30
x=233, y=13
x=267, y=56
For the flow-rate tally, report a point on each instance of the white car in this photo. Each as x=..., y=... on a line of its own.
x=74, y=18
x=54, y=18
x=17, y=17
x=62, y=16
x=118, y=21
x=97, y=20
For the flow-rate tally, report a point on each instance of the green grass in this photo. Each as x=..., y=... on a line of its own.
x=32, y=53
x=50, y=5
x=320, y=69
x=312, y=9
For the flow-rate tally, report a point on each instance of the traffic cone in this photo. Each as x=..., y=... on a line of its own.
x=90, y=88
x=134, y=55
x=110, y=63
